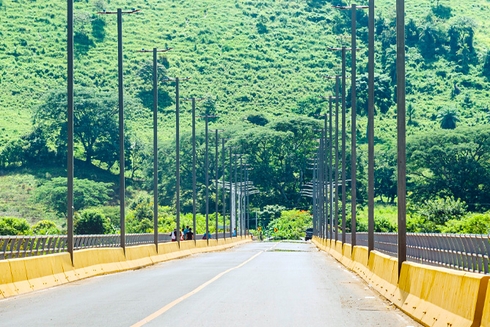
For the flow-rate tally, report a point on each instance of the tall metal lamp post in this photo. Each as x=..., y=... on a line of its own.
x=122, y=181
x=155, y=142
x=177, y=151
x=70, y=158
x=216, y=160
x=401, y=126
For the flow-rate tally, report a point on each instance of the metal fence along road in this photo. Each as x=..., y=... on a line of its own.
x=457, y=251
x=27, y=246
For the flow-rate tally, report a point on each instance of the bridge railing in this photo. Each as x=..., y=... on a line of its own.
x=28, y=246
x=457, y=251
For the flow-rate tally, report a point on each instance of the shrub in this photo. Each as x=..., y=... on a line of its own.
x=290, y=225
x=14, y=226
x=478, y=223
x=86, y=193
x=45, y=227
x=92, y=221
x=440, y=210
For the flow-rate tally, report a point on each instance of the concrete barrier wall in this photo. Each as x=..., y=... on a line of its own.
x=431, y=295
x=18, y=276
x=485, y=321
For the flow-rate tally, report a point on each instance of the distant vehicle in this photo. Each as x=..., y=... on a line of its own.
x=309, y=234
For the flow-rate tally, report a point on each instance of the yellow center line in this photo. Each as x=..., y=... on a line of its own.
x=182, y=298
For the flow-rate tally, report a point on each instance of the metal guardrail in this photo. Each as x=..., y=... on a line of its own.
x=28, y=246
x=457, y=251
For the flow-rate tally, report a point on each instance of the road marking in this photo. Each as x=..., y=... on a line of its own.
x=158, y=313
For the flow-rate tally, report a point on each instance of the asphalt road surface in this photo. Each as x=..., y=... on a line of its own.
x=257, y=284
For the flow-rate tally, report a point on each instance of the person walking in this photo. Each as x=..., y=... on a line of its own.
x=173, y=235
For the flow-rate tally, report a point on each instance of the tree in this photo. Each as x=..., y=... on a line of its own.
x=486, y=66
x=86, y=193
x=441, y=210
x=91, y=222
x=448, y=118
x=95, y=123
x=451, y=163
x=291, y=225
x=14, y=226
x=45, y=227
x=278, y=153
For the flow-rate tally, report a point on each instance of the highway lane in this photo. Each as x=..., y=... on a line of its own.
x=257, y=284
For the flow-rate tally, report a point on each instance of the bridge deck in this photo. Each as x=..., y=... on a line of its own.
x=257, y=284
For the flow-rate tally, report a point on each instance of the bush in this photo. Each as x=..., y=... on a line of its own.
x=14, y=226
x=45, y=227
x=440, y=210
x=92, y=222
x=86, y=193
x=478, y=223
x=291, y=225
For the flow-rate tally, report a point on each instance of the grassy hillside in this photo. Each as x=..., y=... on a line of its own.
x=261, y=56
x=265, y=56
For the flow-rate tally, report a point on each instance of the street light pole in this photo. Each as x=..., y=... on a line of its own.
x=206, y=119
x=232, y=195
x=216, y=141
x=353, y=157
x=371, y=128
x=401, y=126
x=223, y=154
x=155, y=143
x=122, y=181
x=337, y=86
x=194, y=159
x=240, y=196
x=177, y=158
x=70, y=105
x=330, y=156
x=177, y=152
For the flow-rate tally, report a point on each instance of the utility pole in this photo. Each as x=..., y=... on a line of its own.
x=216, y=143
x=177, y=151
x=232, y=194
x=194, y=162
x=401, y=130
x=122, y=181
x=155, y=143
x=371, y=128
x=70, y=127
x=223, y=154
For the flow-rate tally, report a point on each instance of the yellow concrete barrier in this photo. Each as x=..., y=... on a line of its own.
x=112, y=260
x=441, y=297
x=336, y=250
x=346, y=259
x=7, y=287
x=19, y=276
x=384, y=274
x=485, y=321
x=86, y=263
x=360, y=261
x=39, y=272
x=140, y=255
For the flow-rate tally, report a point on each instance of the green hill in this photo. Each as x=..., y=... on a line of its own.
x=253, y=57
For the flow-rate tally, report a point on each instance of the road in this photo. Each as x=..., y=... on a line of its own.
x=257, y=284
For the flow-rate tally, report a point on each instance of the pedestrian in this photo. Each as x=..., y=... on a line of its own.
x=206, y=236
x=234, y=232
x=189, y=235
x=186, y=230
x=173, y=235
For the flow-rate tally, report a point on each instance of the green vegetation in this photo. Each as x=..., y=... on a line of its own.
x=290, y=225
x=259, y=64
